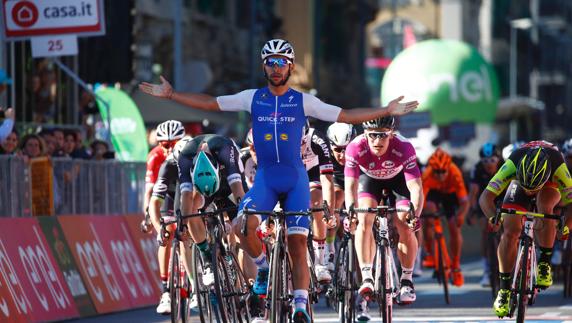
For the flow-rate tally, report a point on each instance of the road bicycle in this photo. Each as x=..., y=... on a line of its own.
x=386, y=279
x=342, y=293
x=523, y=287
x=227, y=299
x=441, y=255
x=279, y=296
x=179, y=282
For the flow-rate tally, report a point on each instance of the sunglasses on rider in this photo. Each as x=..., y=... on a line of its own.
x=339, y=149
x=167, y=144
x=277, y=61
x=439, y=171
x=378, y=135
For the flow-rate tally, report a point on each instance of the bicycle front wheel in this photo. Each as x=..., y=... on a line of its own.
x=279, y=308
x=175, y=284
x=522, y=288
x=345, y=283
x=442, y=268
x=385, y=291
x=202, y=292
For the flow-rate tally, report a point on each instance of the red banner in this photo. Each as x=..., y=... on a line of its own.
x=32, y=287
x=146, y=245
x=109, y=265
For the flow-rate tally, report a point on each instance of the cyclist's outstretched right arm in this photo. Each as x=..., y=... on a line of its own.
x=165, y=90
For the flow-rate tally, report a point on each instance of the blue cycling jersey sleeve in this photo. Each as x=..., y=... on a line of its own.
x=241, y=101
x=314, y=107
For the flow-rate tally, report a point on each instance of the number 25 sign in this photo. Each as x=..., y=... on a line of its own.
x=57, y=45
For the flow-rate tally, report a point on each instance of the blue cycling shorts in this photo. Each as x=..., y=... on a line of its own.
x=274, y=181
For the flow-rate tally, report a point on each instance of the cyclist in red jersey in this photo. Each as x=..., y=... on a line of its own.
x=168, y=133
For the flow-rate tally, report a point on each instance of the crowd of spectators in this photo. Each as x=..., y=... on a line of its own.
x=53, y=142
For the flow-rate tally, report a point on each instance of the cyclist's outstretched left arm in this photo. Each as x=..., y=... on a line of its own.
x=360, y=115
x=415, y=187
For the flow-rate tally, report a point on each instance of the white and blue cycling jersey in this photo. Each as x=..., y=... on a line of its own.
x=277, y=123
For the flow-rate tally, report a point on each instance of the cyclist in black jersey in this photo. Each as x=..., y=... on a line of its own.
x=489, y=163
x=316, y=155
x=209, y=171
x=339, y=136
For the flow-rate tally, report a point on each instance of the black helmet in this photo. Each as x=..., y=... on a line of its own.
x=383, y=122
x=533, y=168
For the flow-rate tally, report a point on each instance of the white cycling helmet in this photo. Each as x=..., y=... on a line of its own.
x=180, y=145
x=508, y=149
x=340, y=134
x=170, y=130
x=279, y=47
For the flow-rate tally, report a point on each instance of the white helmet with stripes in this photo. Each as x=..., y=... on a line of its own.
x=170, y=130
x=279, y=47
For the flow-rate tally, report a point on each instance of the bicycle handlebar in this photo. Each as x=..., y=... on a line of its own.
x=280, y=212
x=500, y=211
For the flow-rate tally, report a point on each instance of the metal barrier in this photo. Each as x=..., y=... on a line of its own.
x=80, y=186
x=15, y=197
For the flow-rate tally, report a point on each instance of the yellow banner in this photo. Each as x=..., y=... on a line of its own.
x=42, y=186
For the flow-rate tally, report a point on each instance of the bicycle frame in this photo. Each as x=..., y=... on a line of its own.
x=279, y=294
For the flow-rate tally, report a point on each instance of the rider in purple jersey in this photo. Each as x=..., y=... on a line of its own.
x=377, y=160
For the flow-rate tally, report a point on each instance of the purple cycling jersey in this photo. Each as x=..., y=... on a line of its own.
x=400, y=156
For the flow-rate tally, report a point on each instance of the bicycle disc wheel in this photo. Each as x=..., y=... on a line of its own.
x=175, y=284
x=522, y=287
x=201, y=291
x=385, y=296
x=442, y=271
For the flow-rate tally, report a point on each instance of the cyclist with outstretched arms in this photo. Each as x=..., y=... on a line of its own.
x=536, y=170
x=339, y=135
x=163, y=200
x=316, y=156
x=278, y=116
x=376, y=160
x=444, y=188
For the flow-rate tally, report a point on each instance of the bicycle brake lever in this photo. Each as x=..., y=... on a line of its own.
x=243, y=227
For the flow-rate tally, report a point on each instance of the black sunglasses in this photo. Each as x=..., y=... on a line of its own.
x=339, y=149
x=439, y=171
x=378, y=135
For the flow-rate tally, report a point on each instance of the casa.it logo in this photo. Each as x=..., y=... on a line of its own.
x=25, y=14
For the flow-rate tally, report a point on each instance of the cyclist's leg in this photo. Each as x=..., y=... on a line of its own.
x=261, y=197
x=430, y=207
x=298, y=199
x=450, y=205
x=319, y=231
x=408, y=245
x=331, y=233
x=368, y=194
x=546, y=201
x=515, y=198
